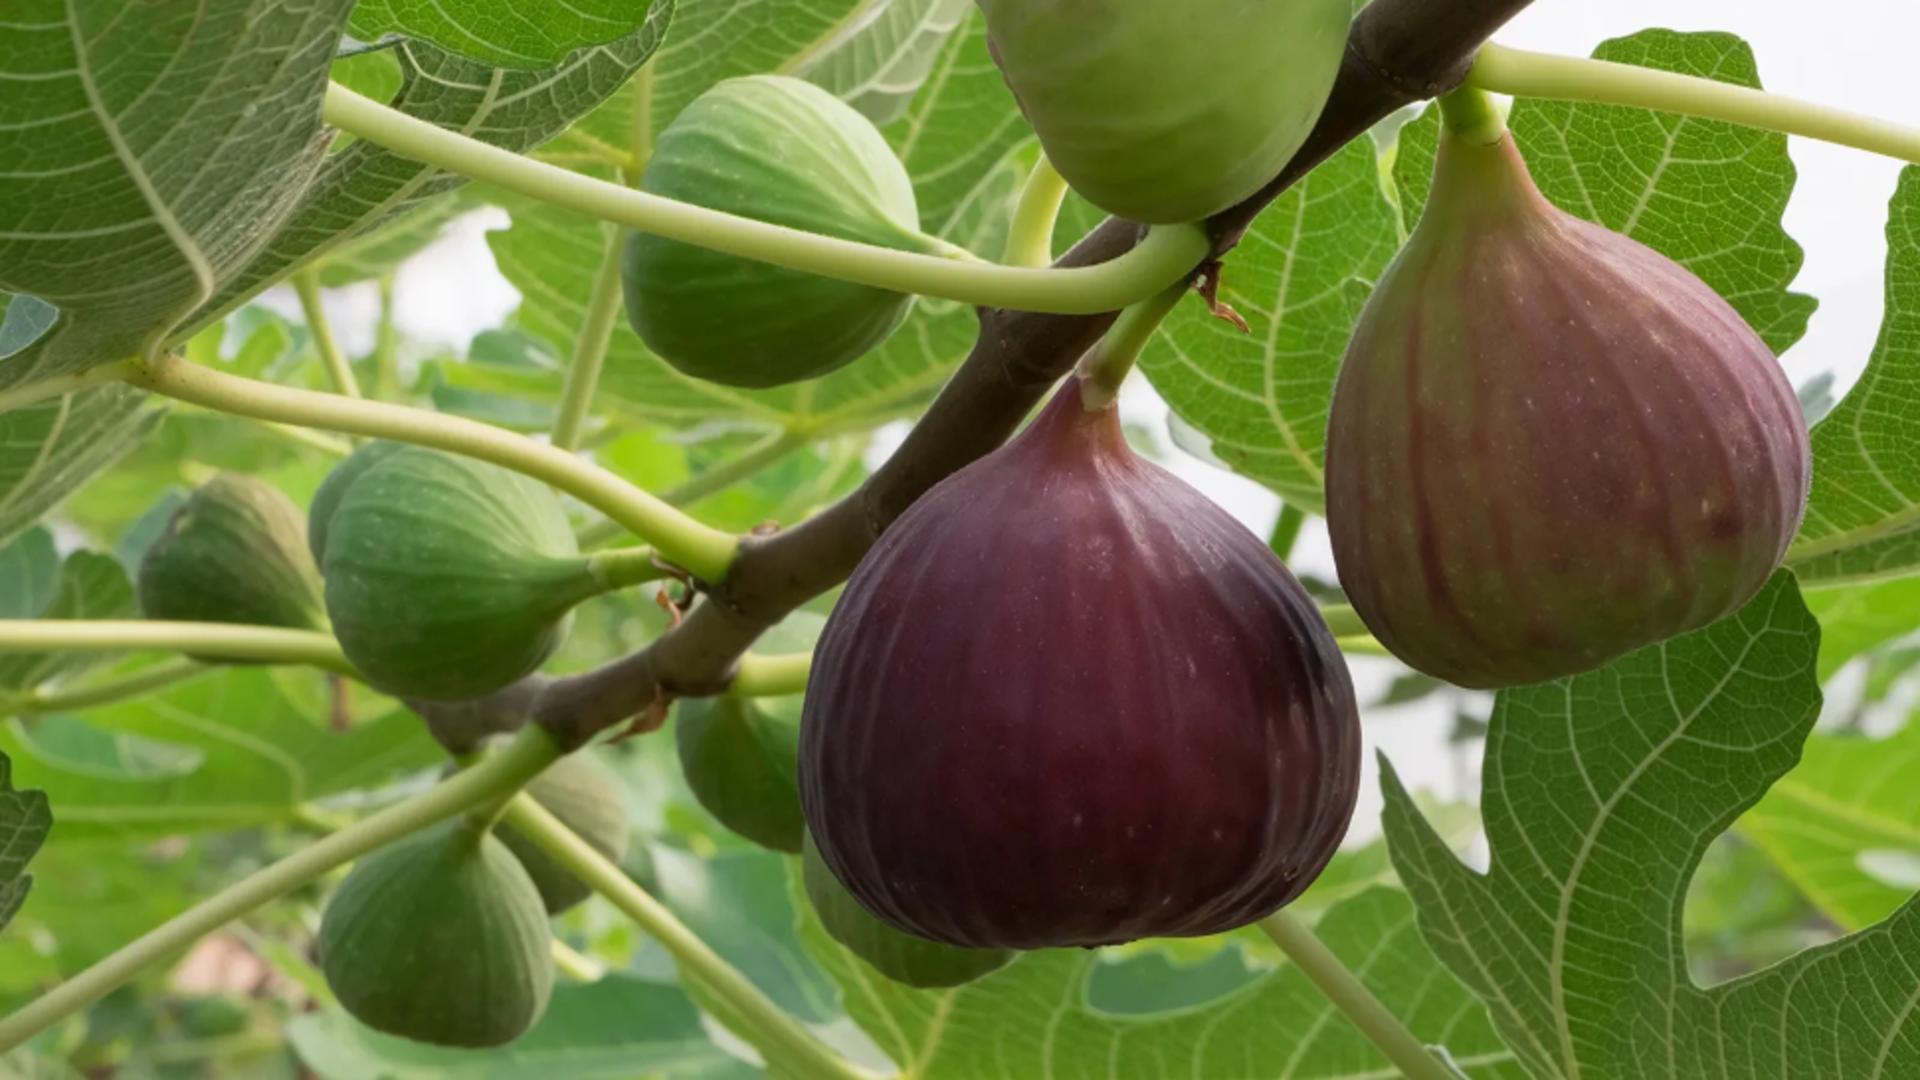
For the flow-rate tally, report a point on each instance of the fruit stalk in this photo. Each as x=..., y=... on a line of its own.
x=1109, y=363
x=1351, y=997
x=506, y=771
x=769, y=1027
x=772, y=676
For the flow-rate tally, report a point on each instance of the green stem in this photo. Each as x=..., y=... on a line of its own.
x=575, y=964
x=625, y=568
x=751, y=462
x=590, y=347
x=704, y=552
x=1030, y=235
x=386, y=346
x=256, y=644
x=1568, y=78
x=306, y=284
x=773, y=1029
x=1343, y=620
x=1352, y=998
x=530, y=753
x=105, y=691
x=1166, y=255
x=1473, y=116
x=1286, y=531
x=771, y=676
x=1361, y=645
x=58, y=386
x=1106, y=366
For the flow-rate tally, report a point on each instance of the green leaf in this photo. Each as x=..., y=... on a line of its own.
x=1706, y=194
x=265, y=753
x=1299, y=279
x=24, y=824
x=1032, y=1017
x=1857, y=619
x=132, y=184
x=92, y=897
x=1602, y=794
x=51, y=449
x=35, y=583
x=529, y=34
x=1850, y=809
x=1863, y=521
x=892, y=47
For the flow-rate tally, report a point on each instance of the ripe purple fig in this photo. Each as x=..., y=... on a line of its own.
x=1067, y=700
x=1551, y=445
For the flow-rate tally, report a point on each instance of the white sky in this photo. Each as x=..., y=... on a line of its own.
x=1854, y=54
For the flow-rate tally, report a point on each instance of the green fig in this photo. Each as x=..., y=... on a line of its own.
x=899, y=956
x=440, y=938
x=334, y=488
x=1549, y=444
x=234, y=552
x=741, y=757
x=448, y=578
x=1164, y=112
x=586, y=798
x=784, y=151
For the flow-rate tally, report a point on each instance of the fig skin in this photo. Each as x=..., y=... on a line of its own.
x=741, y=760
x=1166, y=112
x=586, y=798
x=904, y=958
x=234, y=552
x=334, y=488
x=1067, y=700
x=1550, y=445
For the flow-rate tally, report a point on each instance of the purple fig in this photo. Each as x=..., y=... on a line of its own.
x=1067, y=700
x=1551, y=445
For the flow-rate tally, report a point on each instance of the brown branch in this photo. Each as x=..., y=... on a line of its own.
x=1400, y=52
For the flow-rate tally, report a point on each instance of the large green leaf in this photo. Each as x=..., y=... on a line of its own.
x=1864, y=520
x=526, y=34
x=24, y=822
x=1857, y=619
x=36, y=583
x=1032, y=1017
x=132, y=184
x=1602, y=793
x=50, y=449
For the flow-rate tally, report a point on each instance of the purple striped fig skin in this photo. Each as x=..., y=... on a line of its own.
x=1067, y=700
x=1551, y=445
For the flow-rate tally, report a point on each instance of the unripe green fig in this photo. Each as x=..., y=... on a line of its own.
x=1164, y=112
x=899, y=956
x=334, y=488
x=448, y=578
x=1551, y=445
x=235, y=552
x=440, y=938
x=779, y=150
x=741, y=757
x=586, y=798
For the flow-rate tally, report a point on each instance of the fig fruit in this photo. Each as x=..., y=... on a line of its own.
x=235, y=552
x=586, y=798
x=440, y=938
x=784, y=151
x=448, y=578
x=741, y=757
x=1066, y=700
x=903, y=958
x=334, y=488
x=1169, y=112
x=1550, y=445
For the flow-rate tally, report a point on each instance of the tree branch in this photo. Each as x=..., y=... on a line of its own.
x=1400, y=52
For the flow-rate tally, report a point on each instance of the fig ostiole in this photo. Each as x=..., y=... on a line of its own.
x=1169, y=112
x=234, y=552
x=741, y=757
x=1549, y=444
x=1067, y=700
x=440, y=938
x=587, y=799
x=902, y=957
x=448, y=578
x=783, y=151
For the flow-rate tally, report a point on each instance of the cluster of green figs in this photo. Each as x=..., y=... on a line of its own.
x=1065, y=700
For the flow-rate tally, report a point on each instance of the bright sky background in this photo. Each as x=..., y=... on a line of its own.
x=1855, y=54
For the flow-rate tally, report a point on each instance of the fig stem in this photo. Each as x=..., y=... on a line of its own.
x=1108, y=363
x=590, y=345
x=1473, y=116
x=306, y=285
x=705, y=552
x=1286, y=530
x=577, y=965
x=256, y=644
x=624, y=568
x=771, y=676
x=1522, y=73
x=1348, y=994
x=89, y=695
x=530, y=753
x=759, y=1019
x=1030, y=236
x=1167, y=254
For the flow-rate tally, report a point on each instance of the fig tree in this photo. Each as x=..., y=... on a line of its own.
x=784, y=151
x=903, y=958
x=440, y=938
x=334, y=488
x=586, y=798
x=741, y=757
x=1067, y=700
x=235, y=552
x=1169, y=112
x=1549, y=444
